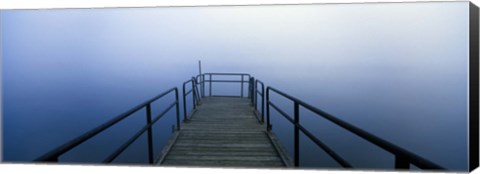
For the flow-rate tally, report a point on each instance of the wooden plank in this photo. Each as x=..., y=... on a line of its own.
x=227, y=163
x=223, y=158
x=220, y=153
x=224, y=138
x=227, y=142
x=280, y=150
x=223, y=131
x=179, y=143
x=167, y=147
x=216, y=133
x=225, y=149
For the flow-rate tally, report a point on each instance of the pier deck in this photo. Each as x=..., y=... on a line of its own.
x=223, y=132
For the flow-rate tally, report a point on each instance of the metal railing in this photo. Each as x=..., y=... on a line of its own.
x=202, y=80
x=251, y=89
x=403, y=158
x=196, y=97
x=198, y=89
x=53, y=155
x=255, y=93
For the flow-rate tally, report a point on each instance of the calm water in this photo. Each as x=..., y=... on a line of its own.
x=397, y=70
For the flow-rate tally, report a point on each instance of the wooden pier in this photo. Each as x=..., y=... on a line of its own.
x=230, y=131
x=223, y=132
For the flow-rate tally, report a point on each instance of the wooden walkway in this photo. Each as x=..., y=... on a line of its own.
x=224, y=132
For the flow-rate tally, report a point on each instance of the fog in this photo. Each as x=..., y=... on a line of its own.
x=397, y=70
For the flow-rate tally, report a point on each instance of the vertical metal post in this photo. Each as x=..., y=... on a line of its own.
x=263, y=102
x=241, y=86
x=184, y=105
x=269, y=127
x=254, y=90
x=150, y=141
x=401, y=163
x=296, y=135
x=254, y=93
x=200, y=73
x=193, y=94
x=199, y=67
x=249, y=93
x=177, y=108
x=210, y=88
x=198, y=93
x=203, y=85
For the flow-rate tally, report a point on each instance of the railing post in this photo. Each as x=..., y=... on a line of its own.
x=263, y=102
x=178, y=109
x=249, y=95
x=150, y=141
x=198, y=93
x=203, y=85
x=241, y=86
x=193, y=94
x=296, y=135
x=251, y=88
x=254, y=94
x=184, y=105
x=210, y=88
x=401, y=163
x=269, y=127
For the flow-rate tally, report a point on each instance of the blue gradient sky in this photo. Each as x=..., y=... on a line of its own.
x=396, y=70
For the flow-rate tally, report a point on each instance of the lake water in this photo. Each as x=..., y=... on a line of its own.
x=397, y=70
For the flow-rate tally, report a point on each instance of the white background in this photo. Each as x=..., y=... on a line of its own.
x=36, y=4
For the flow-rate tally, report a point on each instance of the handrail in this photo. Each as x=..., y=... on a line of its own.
x=210, y=80
x=53, y=155
x=403, y=158
x=228, y=74
x=262, y=94
x=196, y=97
x=199, y=80
x=251, y=89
